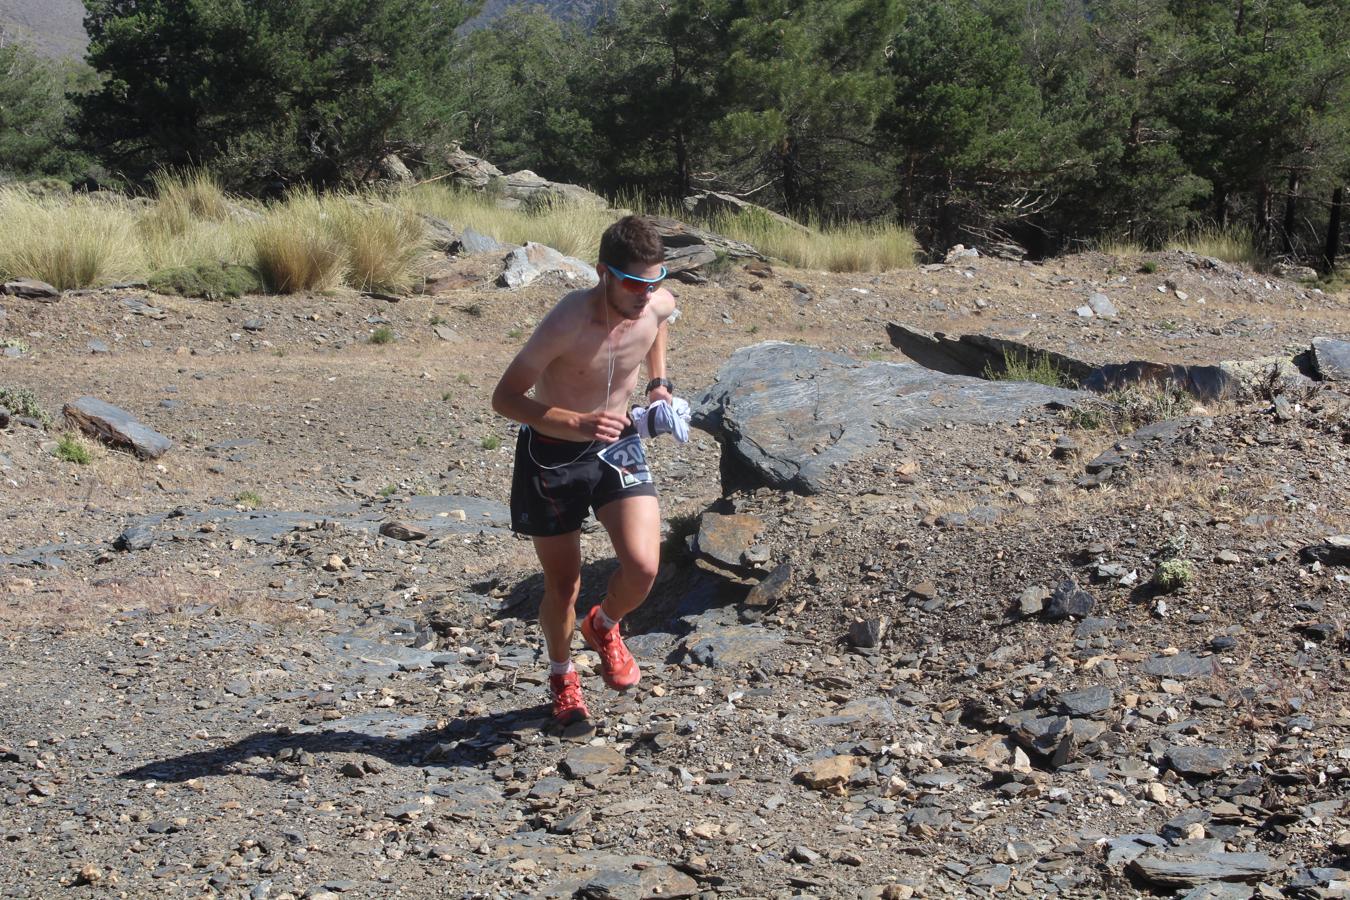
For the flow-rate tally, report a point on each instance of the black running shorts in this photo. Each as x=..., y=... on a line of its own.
x=557, y=482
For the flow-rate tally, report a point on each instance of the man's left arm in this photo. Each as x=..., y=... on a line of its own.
x=656, y=360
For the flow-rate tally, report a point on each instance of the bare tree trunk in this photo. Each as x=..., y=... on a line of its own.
x=1333, y=230
x=1290, y=212
x=1220, y=206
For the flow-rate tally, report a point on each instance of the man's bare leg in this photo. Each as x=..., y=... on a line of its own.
x=634, y=526
x=561, y=560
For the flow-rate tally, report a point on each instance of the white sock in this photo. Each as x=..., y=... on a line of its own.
x=605, y=621
x=560, y=668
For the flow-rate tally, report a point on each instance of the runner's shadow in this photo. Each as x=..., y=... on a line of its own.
x=463, y=744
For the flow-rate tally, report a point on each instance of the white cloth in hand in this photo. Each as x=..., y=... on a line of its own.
x=663, y=417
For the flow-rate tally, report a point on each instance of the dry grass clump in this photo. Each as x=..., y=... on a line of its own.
x=294, y=249
x=68, y=242
x=1233, y=245
x=381, y=243
x=192, y=221
x=845, y=247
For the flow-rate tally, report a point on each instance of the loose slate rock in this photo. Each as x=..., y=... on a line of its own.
x=1087, y=702
x=726, y=538
x=1334, y=551
x=1068, y=600
x=117, y=427
x=772, y=589
x=400, y=531
x=1203, y=762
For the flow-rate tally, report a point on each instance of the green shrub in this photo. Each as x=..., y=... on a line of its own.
x=382, y=335
x=491, y=442
x=1149, y=267
x=1037, y=368
x=248, y=499
x=207, y=280
x=21, y=402
x=1172, y=575
x=72, y=449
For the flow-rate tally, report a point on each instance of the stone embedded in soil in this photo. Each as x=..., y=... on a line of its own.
x=789, y=413
x=1188, y=866
x=830, y=772
x=869, y=632
x=117, y=427
x=650, y=881
x=1181, y=665
x=731, y=645
x=587, y=761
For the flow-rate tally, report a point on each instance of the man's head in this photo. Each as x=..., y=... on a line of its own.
x=630, y=266
x=631, y=243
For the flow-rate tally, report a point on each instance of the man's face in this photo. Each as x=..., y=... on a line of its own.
x=629, y=296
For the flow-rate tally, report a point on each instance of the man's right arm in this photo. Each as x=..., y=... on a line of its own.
x=510, y=396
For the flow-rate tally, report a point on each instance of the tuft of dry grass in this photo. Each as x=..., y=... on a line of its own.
x=68, y=242
x=382, y=244
x=1231, y=244
x=845, y=247
x=294, y=249
x=567, y=228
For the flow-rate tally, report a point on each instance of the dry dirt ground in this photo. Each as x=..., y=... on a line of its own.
x=273, y=700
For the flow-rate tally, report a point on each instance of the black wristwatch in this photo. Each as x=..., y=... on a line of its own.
x=660, y=382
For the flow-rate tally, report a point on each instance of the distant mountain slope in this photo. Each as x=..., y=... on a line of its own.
x=53, y=27
x=56, y=27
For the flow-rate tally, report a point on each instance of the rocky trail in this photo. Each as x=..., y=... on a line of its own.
x=916, y=633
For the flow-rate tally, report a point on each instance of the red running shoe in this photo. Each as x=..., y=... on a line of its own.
x=617, y=665
x=568, y=707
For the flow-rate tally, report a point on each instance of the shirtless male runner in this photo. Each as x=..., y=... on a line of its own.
x=578, y=450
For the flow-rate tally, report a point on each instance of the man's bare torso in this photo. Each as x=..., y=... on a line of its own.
x=589, y=335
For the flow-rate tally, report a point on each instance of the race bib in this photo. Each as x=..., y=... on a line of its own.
x=626, y=458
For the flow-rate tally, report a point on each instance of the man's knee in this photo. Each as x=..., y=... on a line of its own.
x=562, y=589
x=641, y=568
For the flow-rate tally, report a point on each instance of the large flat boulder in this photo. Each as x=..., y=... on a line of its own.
x=535, y=191
x=790, y=413
x=117, y=427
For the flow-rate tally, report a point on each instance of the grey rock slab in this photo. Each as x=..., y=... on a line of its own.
x=585, y=761
x=788, y=413
x=773, y=588
x=1181, y=665
x=726, y=538
x=377, y=724
x=526, y=265
x=117, y=427
x=477, y=242
x=1203, y=762
x=1219, y=890
x=1332, y=358
x=1177, y=868
x=137, y=537
x=730, y=645
x=1101, y=305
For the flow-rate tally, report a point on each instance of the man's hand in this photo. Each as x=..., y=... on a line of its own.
x=660, y=392
x=601, y=426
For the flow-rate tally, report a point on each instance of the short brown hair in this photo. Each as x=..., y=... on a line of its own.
x=631, y=241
